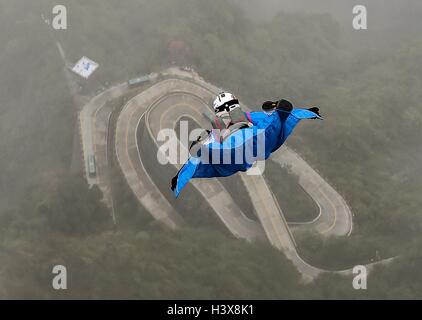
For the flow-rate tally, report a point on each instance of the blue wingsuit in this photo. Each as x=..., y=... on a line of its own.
x=217, y=159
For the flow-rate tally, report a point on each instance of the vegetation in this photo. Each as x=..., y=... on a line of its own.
x=368, y=147
x=296, y=204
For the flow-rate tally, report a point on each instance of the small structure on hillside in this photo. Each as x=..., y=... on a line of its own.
x=136, y=82
x=85, y=67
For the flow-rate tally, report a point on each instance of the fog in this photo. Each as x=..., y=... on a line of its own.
x=55, y=211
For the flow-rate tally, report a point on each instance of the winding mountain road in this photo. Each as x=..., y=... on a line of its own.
x=184, y=94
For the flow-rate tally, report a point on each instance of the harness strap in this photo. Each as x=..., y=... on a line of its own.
x=248, y=115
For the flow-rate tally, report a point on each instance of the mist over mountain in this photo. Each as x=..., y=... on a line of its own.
x=367, y=84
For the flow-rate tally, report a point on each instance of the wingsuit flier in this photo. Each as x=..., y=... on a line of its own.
x=239, y=139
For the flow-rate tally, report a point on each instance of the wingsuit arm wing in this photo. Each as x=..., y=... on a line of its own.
x=277, y=127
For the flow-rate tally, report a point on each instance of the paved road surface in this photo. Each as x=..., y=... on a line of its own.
x=183, y=98
x=186, y=94
x=164, y=114
x=335, y=217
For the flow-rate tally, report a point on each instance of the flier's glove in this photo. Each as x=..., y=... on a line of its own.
x=174, y=182
x=315, y=110
x=196, y=145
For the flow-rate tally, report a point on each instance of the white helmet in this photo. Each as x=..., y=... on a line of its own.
x=225, y=102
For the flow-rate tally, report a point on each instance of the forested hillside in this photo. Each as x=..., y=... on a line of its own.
x=368, y=147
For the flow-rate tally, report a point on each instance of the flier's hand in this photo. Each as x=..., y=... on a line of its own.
x=315, y=110
x=174, y=183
